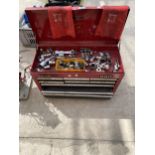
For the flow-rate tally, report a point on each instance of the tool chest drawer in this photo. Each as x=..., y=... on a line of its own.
x=77, y=52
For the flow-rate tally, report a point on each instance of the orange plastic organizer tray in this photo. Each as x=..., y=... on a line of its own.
x=58, y=67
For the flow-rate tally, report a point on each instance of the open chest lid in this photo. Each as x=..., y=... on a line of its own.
x=51, y=24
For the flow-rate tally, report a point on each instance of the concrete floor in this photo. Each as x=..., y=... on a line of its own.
x=67, y=126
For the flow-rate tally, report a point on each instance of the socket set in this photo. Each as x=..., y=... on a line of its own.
x=85, y=60
x=77, y=50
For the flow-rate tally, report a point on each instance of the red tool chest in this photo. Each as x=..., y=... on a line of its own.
x=77, y=51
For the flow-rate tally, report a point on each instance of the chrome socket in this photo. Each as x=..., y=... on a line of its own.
x=47, y=67
x=116, y=66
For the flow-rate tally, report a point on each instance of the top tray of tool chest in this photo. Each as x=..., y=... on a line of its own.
x=95, y=28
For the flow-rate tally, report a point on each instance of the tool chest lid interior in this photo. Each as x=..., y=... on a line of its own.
x=51, y=24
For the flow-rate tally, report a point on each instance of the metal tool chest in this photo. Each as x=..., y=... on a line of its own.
x=77, y=52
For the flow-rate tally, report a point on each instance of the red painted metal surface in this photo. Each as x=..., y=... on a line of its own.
x=91, y=24
x=99, y=29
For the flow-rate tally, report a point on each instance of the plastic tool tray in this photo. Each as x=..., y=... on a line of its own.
x=79, y=56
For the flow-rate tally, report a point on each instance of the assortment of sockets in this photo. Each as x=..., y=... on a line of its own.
x=99, y=61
